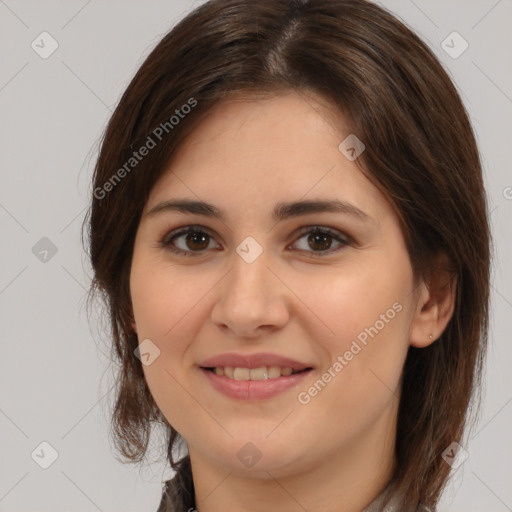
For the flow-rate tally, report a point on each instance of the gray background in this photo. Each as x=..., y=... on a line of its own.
x=54, y=368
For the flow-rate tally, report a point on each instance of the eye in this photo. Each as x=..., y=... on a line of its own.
x=318, y=240
x=189, y=240
x=195, y=240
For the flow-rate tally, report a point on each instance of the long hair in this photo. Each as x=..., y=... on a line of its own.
x=420, y=152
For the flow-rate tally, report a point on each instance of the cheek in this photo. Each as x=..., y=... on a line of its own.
x=164, y=300
x=360, y=304
x=163, y=319
x=368, y=312
x=167, y=309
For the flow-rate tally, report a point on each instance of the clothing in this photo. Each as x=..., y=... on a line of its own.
x=178, y=495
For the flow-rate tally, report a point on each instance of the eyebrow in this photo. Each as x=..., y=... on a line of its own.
x=282, y=211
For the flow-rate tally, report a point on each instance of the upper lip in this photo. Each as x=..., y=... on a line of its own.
x=253, y=361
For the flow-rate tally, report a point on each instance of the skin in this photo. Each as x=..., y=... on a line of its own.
x=336, y=450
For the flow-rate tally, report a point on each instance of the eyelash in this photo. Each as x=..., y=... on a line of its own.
x=168, y=239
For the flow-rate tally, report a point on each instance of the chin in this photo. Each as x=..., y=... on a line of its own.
x=247, y=456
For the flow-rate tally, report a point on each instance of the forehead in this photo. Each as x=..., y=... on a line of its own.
x=267, y=128
x=249, y=153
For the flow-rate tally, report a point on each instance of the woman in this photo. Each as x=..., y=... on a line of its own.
x=289, y=229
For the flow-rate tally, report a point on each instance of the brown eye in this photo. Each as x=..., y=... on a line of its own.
x=320, y=241
x=197, y=240
x=188, y=241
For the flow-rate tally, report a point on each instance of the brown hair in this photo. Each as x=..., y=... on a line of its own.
x=420, y=151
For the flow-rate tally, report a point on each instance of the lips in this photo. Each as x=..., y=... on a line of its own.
x=255, y=376
x=250, y=361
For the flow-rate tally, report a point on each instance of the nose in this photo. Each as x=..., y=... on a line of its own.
x=251, y=300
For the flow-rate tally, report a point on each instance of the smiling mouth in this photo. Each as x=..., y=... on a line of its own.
x=254, y=374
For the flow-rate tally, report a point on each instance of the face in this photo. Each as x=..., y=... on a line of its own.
x=293, y=259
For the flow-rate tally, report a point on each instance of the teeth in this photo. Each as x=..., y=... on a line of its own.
x=262, y=373
x=241, y=374
x=274, y=372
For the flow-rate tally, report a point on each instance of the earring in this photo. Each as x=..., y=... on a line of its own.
x=430, y=337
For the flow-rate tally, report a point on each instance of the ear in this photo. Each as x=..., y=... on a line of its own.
x=435, y=306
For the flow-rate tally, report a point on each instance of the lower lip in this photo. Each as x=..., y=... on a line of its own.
x=253, y=389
